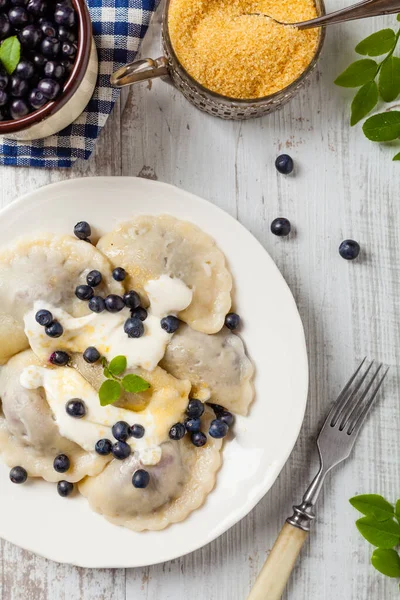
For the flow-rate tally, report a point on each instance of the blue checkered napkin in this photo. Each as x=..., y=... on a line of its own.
x=118, y=27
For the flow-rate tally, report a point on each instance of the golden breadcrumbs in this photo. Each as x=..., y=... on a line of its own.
x=238, y=55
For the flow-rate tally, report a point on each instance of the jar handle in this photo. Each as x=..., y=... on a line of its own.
x=140, y=70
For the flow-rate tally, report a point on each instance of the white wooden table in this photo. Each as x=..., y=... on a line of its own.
x=344, y=186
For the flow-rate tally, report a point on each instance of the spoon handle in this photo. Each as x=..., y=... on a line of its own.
x=361, y=10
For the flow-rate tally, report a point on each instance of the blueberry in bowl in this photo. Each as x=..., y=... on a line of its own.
x=48, y=66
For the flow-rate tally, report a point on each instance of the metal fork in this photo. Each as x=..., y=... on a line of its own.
x=335, y=443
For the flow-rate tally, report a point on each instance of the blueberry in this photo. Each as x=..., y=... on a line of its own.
x=54, y=70
x=37, y=99
x=97, y=304
x=49, y=88
x=217, y=408
x=64, y=488
x=4, y=26
x=137, y=431
x=64, y=15
x=140, y=479
x=103, y=447
x=281, y=226
x=3, y=98
x=132, y=299
x=19, y=86
x=44, y=317
x=37, y=8
x=349, y=249
x=93, y=278
x=170, y=324
x=121, y=450
x=84, y=292
x=18, y=2
x=4, y=79
x=91, y=355
x=177, y=431
x=38, y=60
x=226, y=417
x=192, y=425
x=121, y=431
x=218, y=429
x=114, y=303
x=59, y=358
x=119, y=274
x=195, y=409
x=54, y=330
x=30, y=36
x=50, y=46
x=198, y=439
x=284, y=164
x=76, y=408
x=139, y=313
x=18, y=16
x=232, y=321
x=65, y=34
x=68, y=65
x=61, y=463
x=25, y=69
x=18, y=475
x=82, y=230
x=4, y=4
x=134, y=327
x=48, y=28
x=68, y=50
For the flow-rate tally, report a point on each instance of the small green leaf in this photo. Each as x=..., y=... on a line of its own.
x=397, y=157
x=10, y=53
x=389, y=79
x=106, y=373
x=358, y=73
x=117, y=365
x=383, y=127
x=134, y=384
x=398, y=17
x=386, y=561
x=397, y=509
x=384, y=534
x=364, y=101
x=109, y=392
x=378, y=43
x=374, y=505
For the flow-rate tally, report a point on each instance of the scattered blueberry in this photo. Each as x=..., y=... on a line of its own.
x=217, y=408
x=59, y=358
x=134, y=327
x=49, y=88
x=119, y=274
x=82, y=230
x=198, y=439
x=195, y=409
x=76, y=408
x=44, y=317
x=284, y=164
x=140, y=479
x=281, y=226
x=103, y=447
x=114, y=303
x=93, y=278
x=121, y=450
x=132, y=299
x=37, y=99
x=137, y=431
x=64, y=488
x=232, y=321
x=54, y=330
x=226, y=417
x=18, y=475
x=84, y=292
x=349, y=249
x=139, y=313
x=61, y=463
x=177, y=431
x=121, y=431
x=192, y=425
x=170, y=324
x=91, y=355
x=97, y=304
x=218, y=429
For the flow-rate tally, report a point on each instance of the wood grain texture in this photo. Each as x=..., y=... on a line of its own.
x=344, y=186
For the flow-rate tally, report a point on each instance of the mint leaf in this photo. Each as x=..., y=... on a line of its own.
x=364, y=101
x=397, y=509
x=397, y=157
x=389, y=79
x=109, y=392
x=10, y=53
x=374, y=505
x=117, y=365
x=384, y=534
x=106, y=373
x=358, y=73
x=383, y=127
x=386, y=561
x=378, y=43
x=134, y=384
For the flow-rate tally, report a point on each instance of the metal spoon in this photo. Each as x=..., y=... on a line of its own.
x=361, y=10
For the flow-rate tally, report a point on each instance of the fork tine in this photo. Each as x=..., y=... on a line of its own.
x=358, y=419
x=354, y=401
x=343, y=398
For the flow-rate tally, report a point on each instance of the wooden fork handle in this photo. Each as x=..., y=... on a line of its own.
x=276, y=571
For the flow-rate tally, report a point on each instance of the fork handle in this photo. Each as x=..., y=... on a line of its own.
x=276, y=571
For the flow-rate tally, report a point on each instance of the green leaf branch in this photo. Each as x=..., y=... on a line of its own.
x=375, y=80
x=110, y=390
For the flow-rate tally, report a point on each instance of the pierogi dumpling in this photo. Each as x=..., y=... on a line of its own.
x=47, y=268
x=216, y=363
x=150, y=246
x=29, y=436
x=179, y=484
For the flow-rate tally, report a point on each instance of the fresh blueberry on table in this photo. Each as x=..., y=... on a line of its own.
x=177, y=431
x=84, y=292
x=114, y=303
x=97, y=304
x=103, y=447
x=226, y=417
x=91, y=355
x=170, y=324
x=132, y=299
x=281, y=227
x=139, y=313
x=59, y=358
x=18, y=475
x=121, y=431
x=64, y=488
x=119, y=274
x=284, y=164
x=121, y=450
x=82, y=230
x=76, y=408
x=192, y=425
x=232, y=321
x=349, y=249
x=195, y=409
x=140, y=479
x=94, y=277
x=137, y=431
x=54, y=330
x=198, y=439
x=134, y=327
x=44, y=317
x=61, y=463
x=218, y=428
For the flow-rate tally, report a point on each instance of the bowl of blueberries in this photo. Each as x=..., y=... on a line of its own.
x=48, y=65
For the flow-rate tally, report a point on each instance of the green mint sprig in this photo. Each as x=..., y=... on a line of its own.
x=110, y=390
x=375, y=80
x=381, y=527
x=10, y=53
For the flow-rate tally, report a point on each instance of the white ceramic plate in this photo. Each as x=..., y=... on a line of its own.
x=66, y=530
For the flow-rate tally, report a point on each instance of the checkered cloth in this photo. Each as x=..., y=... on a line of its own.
x=118, y=28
